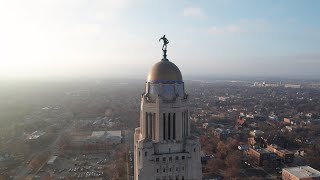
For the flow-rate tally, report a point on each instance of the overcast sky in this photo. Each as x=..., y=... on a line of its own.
x=119, y=38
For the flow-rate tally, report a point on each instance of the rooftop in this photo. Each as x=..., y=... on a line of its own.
x=262, y=150
x=303, y=171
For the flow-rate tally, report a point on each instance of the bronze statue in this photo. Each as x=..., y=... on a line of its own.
x=165, y=42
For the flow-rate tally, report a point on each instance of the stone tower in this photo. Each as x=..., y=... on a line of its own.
x=163, y=145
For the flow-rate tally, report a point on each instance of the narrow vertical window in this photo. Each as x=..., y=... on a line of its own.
x=174, y=127
x=185, y=124
x=146, y=126
x=187, y=121
x=182, y=115
x=150, y=126
x=164, y=126
x=154, y=126
x=169, y=126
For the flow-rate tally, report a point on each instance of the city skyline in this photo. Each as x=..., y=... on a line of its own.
x=120, y=38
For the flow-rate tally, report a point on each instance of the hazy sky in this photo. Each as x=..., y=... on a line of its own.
x=119, y=38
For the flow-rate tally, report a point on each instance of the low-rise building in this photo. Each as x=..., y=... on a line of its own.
x=285, y=155
x=296, y=86
x=263, y=157
x=300, y=173
x=286, y=120
x=222, y=134
x=256, y=133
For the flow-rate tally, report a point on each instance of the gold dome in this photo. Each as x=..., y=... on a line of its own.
x=164, y=71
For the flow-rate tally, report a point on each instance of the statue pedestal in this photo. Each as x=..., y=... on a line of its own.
x=165, y=55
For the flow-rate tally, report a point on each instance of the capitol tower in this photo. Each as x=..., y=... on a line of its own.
x=163, y=145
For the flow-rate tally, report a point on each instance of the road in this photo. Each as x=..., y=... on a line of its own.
x=128, y=138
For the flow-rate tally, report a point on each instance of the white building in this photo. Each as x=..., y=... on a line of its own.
x=300, y=173
x=163, y=145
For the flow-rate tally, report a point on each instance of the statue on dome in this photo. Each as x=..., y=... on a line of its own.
x=165, y=42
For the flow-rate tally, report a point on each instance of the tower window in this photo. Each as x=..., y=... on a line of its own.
x=164, y=159
x=145, y=153
x=177, y=158
x=157, y=170
x=154, y=126
x=170, y=169
x=194, y=149
x=177, y=168
x=182, y=177
x=169, y=126
x=146, y=125
x=157, y=159
x=174, y=126
x=139, y=153
x=182, y=157
x=170, y=159
x=164, y=170
x=164, y=126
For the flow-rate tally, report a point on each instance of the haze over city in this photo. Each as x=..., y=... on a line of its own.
x=119, y=38
x=159, y=90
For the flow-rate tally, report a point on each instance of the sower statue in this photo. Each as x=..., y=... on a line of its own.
x=164, y=47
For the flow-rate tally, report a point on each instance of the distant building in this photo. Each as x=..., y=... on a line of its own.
x=300, y=173
x=36, y=135
x=241, y=123
x=309, y=115
x=286, y=155
x=205, y=125
x=256, y=133
x=52, y=159
x=223, y=98
x=243, y=147
x=263, y=157
x=292, y=86
x=252, y=141
x=286, y=120
x=222, y=134
x=113, y=137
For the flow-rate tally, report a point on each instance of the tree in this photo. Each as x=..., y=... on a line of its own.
x=222, y=149
x=233, y=160
x=232, y=143
x=231, y=172
x=214, y=165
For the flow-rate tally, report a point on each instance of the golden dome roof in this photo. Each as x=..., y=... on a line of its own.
x=164, y=71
